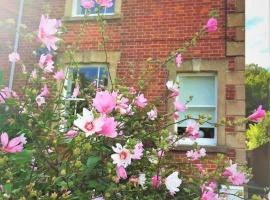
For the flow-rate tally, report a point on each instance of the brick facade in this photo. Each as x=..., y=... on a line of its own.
x=153, y=28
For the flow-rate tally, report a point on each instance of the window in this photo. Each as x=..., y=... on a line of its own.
x=87, y=75
x=80, y=11
x=203, y=88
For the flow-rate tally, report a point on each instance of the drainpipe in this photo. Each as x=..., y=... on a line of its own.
x=16, y=44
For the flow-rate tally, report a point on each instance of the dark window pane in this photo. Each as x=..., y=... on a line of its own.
x=204, y=132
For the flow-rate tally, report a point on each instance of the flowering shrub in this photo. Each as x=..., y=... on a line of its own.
x=117, y=148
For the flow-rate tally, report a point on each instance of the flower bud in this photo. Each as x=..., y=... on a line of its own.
x=63, y=172
x=76, y=151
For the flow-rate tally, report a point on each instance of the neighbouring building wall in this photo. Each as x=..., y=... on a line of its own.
x=142, y=29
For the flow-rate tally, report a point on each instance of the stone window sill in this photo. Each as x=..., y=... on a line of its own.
x=209, y=149
x=90, y=18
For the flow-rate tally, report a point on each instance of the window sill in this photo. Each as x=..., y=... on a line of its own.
x=209, y=149
x=90, y=18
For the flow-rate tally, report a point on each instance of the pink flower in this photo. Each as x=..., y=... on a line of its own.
x=141, y=101
x=88, y=124
x=108, y=128
x=121, y=172
x=60, y=75
x=196, y=154
x=40, y=100
x=47, y=30
x=161, y=154
x=46, y=63
x=105, y=102
x=138, y=151
x=71, y=134
x=45, y=91
x=6, y=93
x=88, y=4
x=34, y=74
x=175, y=116
x=211, y=25
x=105, y=3
x=178, y=60
x=152, y=114
x=209, y=195
x=173, y=87
x=13, y=146
x=235, y=177
x=122, y=105
x=258, y=115
x=98, y=198
x=76, y=92
x=132, y=90
x=14, y=57
x=200, y=168
x=192, y=130
x=180, y=107
x=156, y=181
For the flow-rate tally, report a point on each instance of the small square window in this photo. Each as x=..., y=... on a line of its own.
x=78, y=10
x=203, y=88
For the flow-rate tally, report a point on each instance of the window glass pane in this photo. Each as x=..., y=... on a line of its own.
x=202, y=88
x=88, y=75
x=81, y=11
x=103, y=77
x=194, y=112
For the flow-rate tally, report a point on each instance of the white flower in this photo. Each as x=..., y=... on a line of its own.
x=171, y=86
x=122, y=156
x=202, y=152
x=172, y=183
x=87, y=123
x=142, y=179
x=152, y=114
x=40, y=100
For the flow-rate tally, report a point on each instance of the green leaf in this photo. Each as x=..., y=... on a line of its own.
x=92, y=161
x=21, y=158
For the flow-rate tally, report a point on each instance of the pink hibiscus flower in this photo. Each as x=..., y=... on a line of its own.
x=13, y=146
x=156, y=181
x=108, y=128
x=141, y=101
x=88, y=4
x=211, y=25
x=138, y=151
x=105, y=102
x=121, y=172
x=105, y=3
x=60, y=75
x=192, y=130
x=47, y=30
x=258, y=115
x=180, y=107
x=178, y=60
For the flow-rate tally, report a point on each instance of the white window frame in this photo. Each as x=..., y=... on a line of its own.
x=74, y=10
x=201, y=141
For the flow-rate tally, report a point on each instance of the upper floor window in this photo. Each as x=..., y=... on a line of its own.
x=78, y=10
x=203, y=88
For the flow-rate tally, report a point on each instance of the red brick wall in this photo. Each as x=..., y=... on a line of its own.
x=149, y=28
